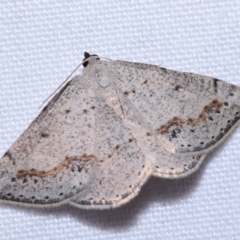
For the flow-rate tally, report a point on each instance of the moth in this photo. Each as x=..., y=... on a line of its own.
x=109, y=129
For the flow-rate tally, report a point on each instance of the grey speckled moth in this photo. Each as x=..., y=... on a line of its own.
x=108, y=130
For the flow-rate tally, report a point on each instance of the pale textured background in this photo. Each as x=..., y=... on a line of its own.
x=40, y=44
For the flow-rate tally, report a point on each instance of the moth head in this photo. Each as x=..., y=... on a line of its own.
x=86, y=56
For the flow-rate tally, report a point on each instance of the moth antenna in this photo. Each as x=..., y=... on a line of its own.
x=66, y=80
